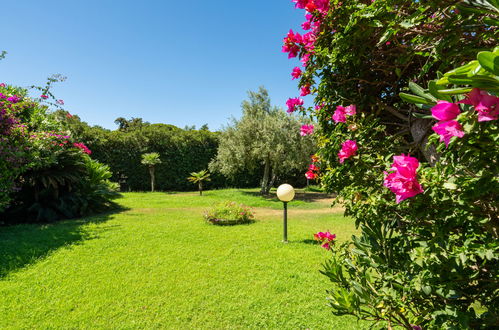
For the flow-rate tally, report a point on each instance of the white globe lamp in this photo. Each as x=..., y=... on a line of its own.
x=286, y=193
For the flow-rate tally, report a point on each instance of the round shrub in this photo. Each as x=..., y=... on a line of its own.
x=229, y=213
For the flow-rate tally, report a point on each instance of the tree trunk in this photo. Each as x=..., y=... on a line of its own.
x=200, y=186
x=151, y=171
x=420, y=130
x=265, y=181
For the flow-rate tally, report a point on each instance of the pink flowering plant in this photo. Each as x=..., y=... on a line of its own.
x=416, y=168
x=229, y=213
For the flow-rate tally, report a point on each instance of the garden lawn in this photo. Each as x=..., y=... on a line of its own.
x=157, y=264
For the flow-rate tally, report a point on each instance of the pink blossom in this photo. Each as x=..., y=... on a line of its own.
x=3, y=85
x=351, y=110
x=326, y=238
x=61, y=102
x=313, y=167
x=304, y=59
x=448, y=129
x=301, y=3
x=319, y=106
x=310, y=175
x=305, y=90
x=290, y=44
x=306, y=25
x=292, y=103
x=445, y=111
x=83, y=147
x=485, y=104
x=348, y=149
x=339, y=115
x=43, y=96
x=403, y=180
x=306, y=130
x=14, y=99
x=296, y=73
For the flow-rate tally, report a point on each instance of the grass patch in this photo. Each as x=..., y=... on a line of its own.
x=159, y=265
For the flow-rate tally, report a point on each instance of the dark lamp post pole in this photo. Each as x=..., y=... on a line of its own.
x=285, y=237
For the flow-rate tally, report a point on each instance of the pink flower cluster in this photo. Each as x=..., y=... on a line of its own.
x=306, y=130
x=402, y=180
x=292, y=103
x=312, y=168
x=486, y=105
x=447, y=127
x=341, y=113
x=325, y=238
x=348, y=149
x=83, y=148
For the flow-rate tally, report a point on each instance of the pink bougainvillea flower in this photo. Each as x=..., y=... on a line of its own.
x=304, y=59
x=341, y=112
x=310, y=175
x=292, y=103
x=348, y=149
x=339, y=115
x=301, y=3
x=485, y=104
x=3, y=85
x=351, y=110
x=305, y=90
x=313, y=167
x=445, y=111
x=448, y=129
x=60, y=102
x=306, y=130
x=290, y=44
x=43, y=96
x=402, y=180
x=14, y=99
x=296, y=73
x=68, y=115
x=2, y=96
x=83, y=147
x=326, y=238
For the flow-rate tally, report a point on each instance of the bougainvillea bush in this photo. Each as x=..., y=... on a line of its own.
x=415, y=167
x=229, y=213
x=46, y=174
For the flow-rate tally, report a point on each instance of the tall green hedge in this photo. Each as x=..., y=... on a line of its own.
x=181, y=152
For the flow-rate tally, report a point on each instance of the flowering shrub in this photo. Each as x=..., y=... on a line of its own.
x=229, y=213
x=326, y=239
x=426, y=204
x=46, y=174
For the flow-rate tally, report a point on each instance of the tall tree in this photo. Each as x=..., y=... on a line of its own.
x=151, y=160
x=265, y=138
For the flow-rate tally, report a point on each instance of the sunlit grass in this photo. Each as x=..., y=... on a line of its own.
x=158, y=265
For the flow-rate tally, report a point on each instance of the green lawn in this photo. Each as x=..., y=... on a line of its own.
x=156, y=264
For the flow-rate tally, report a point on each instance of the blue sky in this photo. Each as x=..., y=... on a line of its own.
x=175, y=62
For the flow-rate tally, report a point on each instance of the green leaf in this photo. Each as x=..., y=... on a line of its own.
x=455, y=91
x=489, y=61
x=419, y=91
x=414, y=99
x=435, y=91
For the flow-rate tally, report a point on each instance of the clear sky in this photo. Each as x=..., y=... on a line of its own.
x=175, y=62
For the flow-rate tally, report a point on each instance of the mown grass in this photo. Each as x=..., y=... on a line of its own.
x=158, y=265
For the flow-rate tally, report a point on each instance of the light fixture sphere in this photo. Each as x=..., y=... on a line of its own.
x=285, y=192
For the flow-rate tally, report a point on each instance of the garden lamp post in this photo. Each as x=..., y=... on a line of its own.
x=285, y=193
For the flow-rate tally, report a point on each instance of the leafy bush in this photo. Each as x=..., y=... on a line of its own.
x=229, y=213
x=48, y=174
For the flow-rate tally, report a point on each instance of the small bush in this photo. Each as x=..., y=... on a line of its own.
x=229, y=213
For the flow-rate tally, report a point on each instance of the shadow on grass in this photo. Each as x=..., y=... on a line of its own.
x=308, y=197
x=25, y=244
x=309, y=241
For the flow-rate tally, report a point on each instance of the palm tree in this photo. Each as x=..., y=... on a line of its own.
x=199, y=177
x=150, y=160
